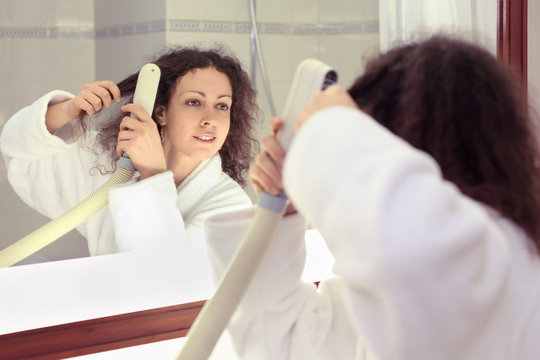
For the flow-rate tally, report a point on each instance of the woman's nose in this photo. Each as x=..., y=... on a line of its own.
x=208, y=118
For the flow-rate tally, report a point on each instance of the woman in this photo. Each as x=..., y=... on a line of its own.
x=191, y=154
x=422, y=178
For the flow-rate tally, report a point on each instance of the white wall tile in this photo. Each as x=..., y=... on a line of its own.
x=31, y=13
x=347, y=54
x=111, y=13
x=27, y=13
x=118, y=57
x=209, y=10
x=35, y=58
x=73, y=12
x=282, y=53
x=185, y=10
x=286, y=11
x=231, y=10
x=348, y=10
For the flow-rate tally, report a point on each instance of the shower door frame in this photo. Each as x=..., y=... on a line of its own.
x=131, y=329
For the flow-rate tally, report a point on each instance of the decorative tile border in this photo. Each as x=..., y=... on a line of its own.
x=176, y=25
x=274, y=28
x=47, y=33
x=131, y=29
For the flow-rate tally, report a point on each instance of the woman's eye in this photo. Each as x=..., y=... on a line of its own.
x=223, y=107
x=193, y=102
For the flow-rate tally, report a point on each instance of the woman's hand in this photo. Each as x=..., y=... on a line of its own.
x=332, y=96
x=90, y=100
x=265, y=172
x=94, y=97
x=139, y=138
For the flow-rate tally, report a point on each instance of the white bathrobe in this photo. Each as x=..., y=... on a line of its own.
x=52, y=173
x=422, y=271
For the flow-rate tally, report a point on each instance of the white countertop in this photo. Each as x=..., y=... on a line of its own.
x=46, y=294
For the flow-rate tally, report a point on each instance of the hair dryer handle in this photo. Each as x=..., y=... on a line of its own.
x=145, y=95
x=311, y=76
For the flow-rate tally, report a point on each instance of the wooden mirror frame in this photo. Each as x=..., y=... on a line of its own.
x=512, y=35
x=141, y=327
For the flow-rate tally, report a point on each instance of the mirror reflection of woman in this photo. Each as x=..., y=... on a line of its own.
x=190, y=154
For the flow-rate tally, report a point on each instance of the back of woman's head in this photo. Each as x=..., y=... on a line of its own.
x=237, y=151
x=455, y=101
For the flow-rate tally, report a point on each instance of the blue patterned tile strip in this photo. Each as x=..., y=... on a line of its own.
x=176, y=25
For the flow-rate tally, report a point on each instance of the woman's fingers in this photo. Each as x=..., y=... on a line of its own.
x=271, y=146
x=275, y=123
x=265, y=174
x=81, y=104
x=262, y=182
x=140, y=139
x=129, y=130
x=95, y=96
x=112, y=89
x=102, y=93
x=271, y=170
x=94, y=102
x=140, y=113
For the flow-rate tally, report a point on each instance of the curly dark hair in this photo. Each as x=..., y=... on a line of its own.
x=240, y=145
x=457, y=102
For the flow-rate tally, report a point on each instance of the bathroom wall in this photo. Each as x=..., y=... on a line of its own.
x=127, y=34
x=338, y=32
x=44, y=45
x=64, y=44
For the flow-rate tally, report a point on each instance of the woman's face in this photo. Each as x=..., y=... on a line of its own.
x=198, y=117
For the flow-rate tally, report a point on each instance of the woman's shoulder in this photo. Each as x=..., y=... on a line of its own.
x=209, y=184
x=229, y=188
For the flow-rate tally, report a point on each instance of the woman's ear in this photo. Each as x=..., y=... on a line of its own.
x=159, y=113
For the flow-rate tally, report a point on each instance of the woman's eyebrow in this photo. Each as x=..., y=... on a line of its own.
x=204, y=94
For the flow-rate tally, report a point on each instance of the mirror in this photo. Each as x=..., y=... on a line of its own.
x=64, y=45
x=78, y=43
x=340, y=34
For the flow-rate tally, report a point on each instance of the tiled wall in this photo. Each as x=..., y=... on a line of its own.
x=44, y=45
x=66, y=43
x=127, y=32
x=338, y=32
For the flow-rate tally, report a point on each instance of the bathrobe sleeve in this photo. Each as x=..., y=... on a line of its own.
x=50, y=173
x=281, y=317
x=421, y=269
x=425, y=266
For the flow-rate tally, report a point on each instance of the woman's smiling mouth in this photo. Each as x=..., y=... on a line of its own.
x=205, y=138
